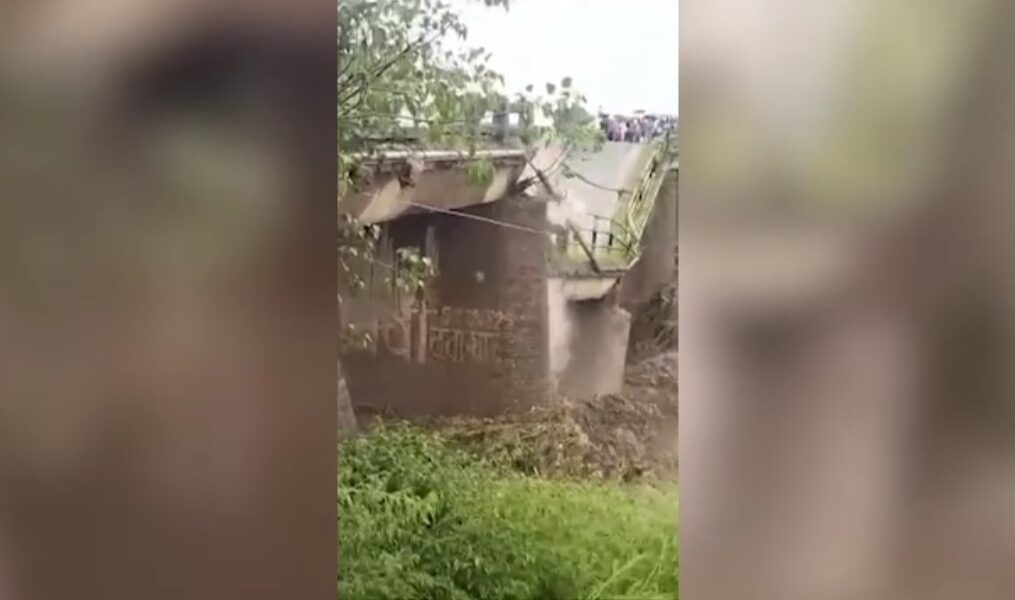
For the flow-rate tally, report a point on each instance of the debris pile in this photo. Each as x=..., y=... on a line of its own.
x=626, y=436
x=654, y=327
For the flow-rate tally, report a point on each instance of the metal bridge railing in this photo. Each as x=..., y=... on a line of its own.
x=616, y=241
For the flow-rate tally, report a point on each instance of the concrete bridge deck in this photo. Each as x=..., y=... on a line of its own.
x=600, y=205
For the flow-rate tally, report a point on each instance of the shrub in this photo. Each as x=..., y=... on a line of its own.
x=421, y=519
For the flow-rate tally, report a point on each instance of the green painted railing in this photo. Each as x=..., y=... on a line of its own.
x=614, y=244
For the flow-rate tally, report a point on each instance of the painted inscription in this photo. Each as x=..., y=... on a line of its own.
x=395, y=338
x=465, y=335
x=457, y=345
x=441, y=335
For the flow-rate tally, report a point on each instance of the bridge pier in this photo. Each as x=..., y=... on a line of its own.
x=596, y=340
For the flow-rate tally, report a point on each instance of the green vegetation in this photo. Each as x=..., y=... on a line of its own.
x=406, y=81
x=421, y=519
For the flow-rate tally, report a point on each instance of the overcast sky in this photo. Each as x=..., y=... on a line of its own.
x=622, y=54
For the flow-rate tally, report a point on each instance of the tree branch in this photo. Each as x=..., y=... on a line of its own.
x=366, y=80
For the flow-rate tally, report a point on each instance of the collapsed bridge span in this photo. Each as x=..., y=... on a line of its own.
x=533, y=263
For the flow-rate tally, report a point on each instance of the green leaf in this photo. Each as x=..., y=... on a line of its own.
x=480, y=172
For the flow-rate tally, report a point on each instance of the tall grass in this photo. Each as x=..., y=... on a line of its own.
x=419, y=519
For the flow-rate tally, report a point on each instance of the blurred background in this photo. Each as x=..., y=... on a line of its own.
x=847, y=409
x=167, y=305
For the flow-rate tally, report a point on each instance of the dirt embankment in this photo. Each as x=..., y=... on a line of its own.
x=628, y=436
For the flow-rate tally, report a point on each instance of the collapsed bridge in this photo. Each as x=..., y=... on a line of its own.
x=535, y=268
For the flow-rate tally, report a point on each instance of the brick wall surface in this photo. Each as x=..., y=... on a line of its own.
x=525, y=263
x=482, y=267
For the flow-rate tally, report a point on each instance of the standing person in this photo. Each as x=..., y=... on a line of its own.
x=633, y=132
x=663, y=127
x=649, y=125
x=612, y=129
x=621, y=130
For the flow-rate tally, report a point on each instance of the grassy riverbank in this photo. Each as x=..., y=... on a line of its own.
x=421, y=519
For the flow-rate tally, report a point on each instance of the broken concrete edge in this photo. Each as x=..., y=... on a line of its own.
x=444, y=158
x=390, y=181
x=544, y=158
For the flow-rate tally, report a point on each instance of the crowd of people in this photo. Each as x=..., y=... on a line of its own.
x=637, y=129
